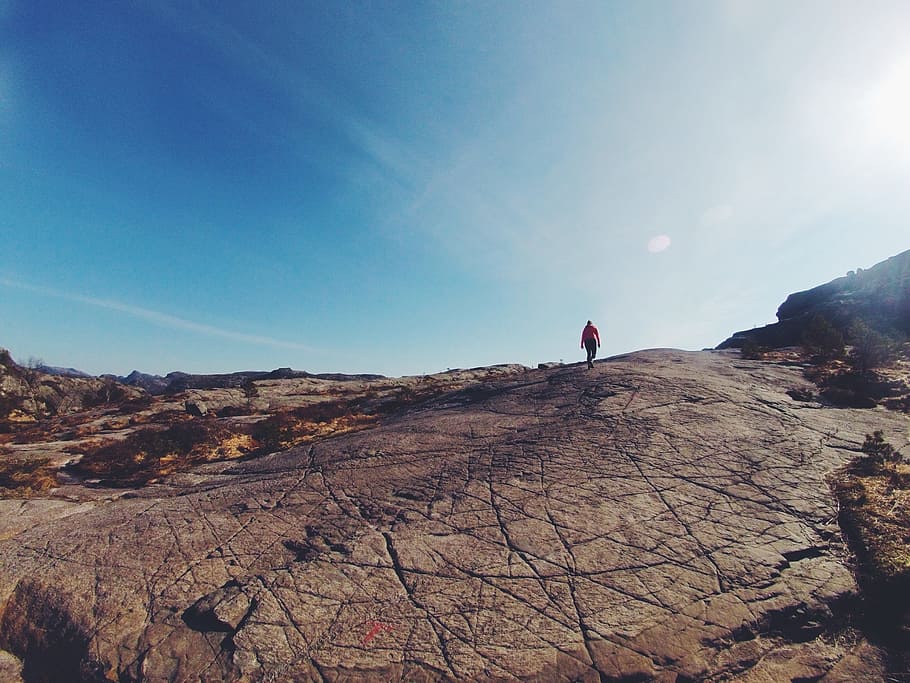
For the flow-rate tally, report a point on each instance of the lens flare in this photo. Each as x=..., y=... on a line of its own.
x=658, y=243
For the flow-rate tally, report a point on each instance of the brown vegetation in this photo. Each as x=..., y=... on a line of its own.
x=150, y=453
x=873, y=492
x=121, y=439
x=20, y=478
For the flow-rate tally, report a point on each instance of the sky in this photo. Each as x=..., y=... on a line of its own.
x=406, y=187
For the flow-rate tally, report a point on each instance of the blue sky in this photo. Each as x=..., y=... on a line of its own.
x=404, y=187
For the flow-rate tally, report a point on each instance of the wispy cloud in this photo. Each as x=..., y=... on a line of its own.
x=155, y=317
x=290, y=78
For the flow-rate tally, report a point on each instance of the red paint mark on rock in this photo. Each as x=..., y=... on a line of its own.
x=374, y=631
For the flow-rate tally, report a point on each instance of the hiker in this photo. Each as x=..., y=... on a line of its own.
x=590, y=340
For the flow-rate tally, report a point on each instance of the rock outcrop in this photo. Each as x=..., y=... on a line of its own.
x=196, y=408
x=27, y=393
x=879, y=296
x=664, y=516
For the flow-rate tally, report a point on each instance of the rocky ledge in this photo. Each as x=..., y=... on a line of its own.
x=665, y=516
x=880, y=296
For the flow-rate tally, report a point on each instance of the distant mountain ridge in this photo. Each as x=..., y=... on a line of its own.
x=175, y=382
x=878, y=296
x=62, y=372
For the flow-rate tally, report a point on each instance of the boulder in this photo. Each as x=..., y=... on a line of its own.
x=196, y=408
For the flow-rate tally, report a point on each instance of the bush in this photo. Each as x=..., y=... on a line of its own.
x=276, y=432
x=232, y=411
x=821, y=340
x=19, y=476
x=879, y=451
x=871, y=349
x=752, y=350
x=150, y=453
x=7, y=405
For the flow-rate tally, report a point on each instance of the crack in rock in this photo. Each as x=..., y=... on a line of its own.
x=664, y=516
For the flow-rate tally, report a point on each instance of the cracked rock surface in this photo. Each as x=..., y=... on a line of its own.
x=664, y=516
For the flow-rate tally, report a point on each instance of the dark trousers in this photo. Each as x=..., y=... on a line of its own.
x=591, y=348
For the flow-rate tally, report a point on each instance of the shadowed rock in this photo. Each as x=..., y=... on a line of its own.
x=196, y=408
x=664, y=516
x=879, y=295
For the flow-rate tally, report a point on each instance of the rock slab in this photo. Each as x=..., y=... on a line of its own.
x=664, y=516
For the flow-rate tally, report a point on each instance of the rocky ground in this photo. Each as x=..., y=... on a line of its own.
x=665, y=516
x=129, y=437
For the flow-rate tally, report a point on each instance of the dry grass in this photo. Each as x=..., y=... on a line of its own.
x=138, y=448
x=23, y=478
x=875, y=517
x=151, y=453
x=233, y=447
x=875, y=504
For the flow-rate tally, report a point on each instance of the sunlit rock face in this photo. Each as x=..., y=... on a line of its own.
x=879, y=296
x=664, y=516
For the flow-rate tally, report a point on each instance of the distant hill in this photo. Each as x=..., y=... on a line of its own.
x=62, y=372
x=175, y=382
x=879, y=296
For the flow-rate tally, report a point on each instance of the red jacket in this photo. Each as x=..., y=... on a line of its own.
x=590, y=332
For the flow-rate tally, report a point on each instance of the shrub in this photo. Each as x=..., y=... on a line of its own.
x=232, y=411
x=275, y=432
x=21, y=477
x=821, y=340
x=877, y=450
x=324, y=411
x=290, y=428
x=7, y=405
x=871, y=349
x=150, y=453
x=752, y=350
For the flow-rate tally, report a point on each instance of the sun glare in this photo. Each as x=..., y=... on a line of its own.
x=887, y=109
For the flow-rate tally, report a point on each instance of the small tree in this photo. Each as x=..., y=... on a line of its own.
x=878, y=450
x=110, y=391
x=822, y=340
x=752, y=350
x=250, y=391
x=31, y=375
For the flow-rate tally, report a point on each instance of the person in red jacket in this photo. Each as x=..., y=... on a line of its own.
x=590, y=340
